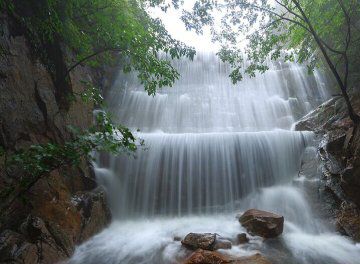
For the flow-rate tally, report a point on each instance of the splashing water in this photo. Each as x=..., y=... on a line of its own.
x=214, y=150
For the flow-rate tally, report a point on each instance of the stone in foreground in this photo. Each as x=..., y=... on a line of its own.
x=206, y=241
x=254, y=259
x=262, y=223
x=199, y=241
x=210, y=257
x=207, y=257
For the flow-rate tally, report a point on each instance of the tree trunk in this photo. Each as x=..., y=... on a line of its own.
x=353, y=116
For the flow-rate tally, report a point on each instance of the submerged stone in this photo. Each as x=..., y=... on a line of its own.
x=242, y=238
x=177, y=238
x=262, y=223
x=222, y=243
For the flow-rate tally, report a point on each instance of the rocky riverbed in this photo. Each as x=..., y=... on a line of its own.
x=256, y=222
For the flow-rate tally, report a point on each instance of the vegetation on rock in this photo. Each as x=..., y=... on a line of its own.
x=97, y=32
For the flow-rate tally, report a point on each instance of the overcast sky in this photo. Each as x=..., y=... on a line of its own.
x=176, y=28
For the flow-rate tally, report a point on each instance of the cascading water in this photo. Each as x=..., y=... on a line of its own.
x=214, y=150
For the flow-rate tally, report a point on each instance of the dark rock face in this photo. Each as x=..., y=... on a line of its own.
x=348, y=220
x=261, y=223
x=211, y=257
x=13, y=246
x=94, y=211
x=330, y=115
x=206, y=241
x=63, y=208
x=340, y=156
x=54, y=227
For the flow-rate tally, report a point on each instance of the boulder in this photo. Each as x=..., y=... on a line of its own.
x=199, y=241
x=262, y=223
x=210, y=257
x=207, y=257
x=206, y=241
x=254, y=259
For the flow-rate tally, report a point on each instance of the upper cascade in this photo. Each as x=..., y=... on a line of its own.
x=204, y=100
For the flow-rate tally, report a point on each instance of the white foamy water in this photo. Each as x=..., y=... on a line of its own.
x=214, y=150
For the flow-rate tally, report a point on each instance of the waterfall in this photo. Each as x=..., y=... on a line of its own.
x=202, y=172
x=209, y=142
x=214, y=149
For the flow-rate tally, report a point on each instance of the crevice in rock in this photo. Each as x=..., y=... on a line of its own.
x=2, y=135
x=63, y=87
x=41, y=104
x=59, y=244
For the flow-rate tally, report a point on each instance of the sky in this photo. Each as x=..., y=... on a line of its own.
x=176, y=28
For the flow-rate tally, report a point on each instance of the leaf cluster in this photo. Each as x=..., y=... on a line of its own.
x=103, y=136
x=277, y=30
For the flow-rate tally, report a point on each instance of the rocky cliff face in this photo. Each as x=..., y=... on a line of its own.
x=339, y=152
x=65, y=207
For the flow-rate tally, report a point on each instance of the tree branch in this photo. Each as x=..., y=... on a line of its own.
x=348, y=22
x=89, y=57
x=342, y=84
x=347, y=41
x=302, y=25
x=289, y=10
x=281, y=16
x=91, y=13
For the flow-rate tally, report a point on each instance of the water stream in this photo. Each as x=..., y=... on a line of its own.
x=214, y=150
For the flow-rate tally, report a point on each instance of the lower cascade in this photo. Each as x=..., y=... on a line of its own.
x=212, y=151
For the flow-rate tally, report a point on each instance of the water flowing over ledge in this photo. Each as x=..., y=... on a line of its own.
x=203, y=172
x=204, y=100
x=213, y=150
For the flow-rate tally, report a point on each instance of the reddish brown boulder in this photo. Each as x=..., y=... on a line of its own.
x=210, y=257
x=255, y=259
x=262, y=223
x=207, y=257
